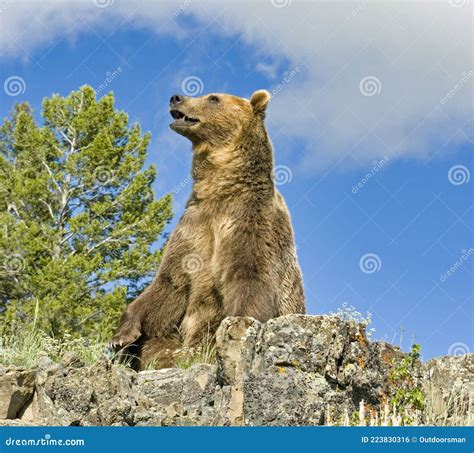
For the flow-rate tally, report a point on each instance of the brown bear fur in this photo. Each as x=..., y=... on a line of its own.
x=233, y=252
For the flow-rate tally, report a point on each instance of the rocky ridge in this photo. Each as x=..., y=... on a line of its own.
x=293, y=370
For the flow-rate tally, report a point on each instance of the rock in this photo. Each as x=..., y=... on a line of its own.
x=16, y=390
x=235, y=341
x=99, y=395
x=292, y=370
x=287, y=371
x=71, y=359
x=16, y=422
x=44, y=362
x=448, y=383
x=176, y=397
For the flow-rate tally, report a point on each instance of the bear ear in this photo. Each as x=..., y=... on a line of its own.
x=259, y=101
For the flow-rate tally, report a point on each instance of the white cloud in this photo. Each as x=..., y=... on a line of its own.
x=416, y=53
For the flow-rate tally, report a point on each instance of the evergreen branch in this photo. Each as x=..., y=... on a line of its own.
x=49, y=208
x=51, y=174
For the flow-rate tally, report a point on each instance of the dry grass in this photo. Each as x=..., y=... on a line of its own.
x=26, y=347
x=205, y=352
x=184, y=357
x=455, y=410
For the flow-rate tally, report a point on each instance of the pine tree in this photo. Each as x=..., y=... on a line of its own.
x=78, y=220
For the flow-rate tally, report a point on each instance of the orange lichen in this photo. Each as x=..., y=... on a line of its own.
x=361, y=339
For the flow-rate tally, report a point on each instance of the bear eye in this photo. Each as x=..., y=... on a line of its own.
x=213, y=99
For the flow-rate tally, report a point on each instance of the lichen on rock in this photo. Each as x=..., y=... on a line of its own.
x=292, y=370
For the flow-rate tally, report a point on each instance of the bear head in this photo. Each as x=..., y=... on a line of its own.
x=217, y=119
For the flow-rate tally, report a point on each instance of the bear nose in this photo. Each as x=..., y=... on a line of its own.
x=176, y=99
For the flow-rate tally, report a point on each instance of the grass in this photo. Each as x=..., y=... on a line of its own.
x=450, y=414
x=205, y=352
x=26, y=347
x=186, y=357
x=454, y=409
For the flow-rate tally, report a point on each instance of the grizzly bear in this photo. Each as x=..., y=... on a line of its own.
x=233, y=251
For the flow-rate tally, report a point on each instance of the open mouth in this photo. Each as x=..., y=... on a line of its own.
x=180, y=117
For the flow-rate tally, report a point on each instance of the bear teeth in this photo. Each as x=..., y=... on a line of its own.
x=176, y=114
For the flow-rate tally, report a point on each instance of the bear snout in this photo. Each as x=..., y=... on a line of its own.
x=176, y=99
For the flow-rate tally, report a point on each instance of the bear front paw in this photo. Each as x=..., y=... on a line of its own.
x=126, y=335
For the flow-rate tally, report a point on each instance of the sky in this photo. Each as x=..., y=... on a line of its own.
x=371, y=119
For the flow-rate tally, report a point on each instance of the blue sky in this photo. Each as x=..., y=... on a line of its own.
x=371, y=125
